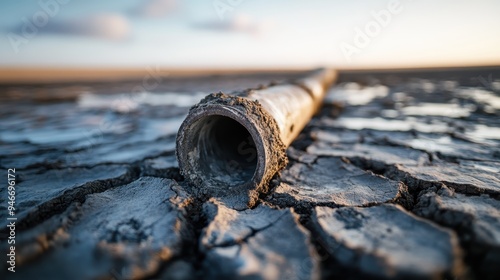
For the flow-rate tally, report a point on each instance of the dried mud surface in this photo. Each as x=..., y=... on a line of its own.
x=397, y=177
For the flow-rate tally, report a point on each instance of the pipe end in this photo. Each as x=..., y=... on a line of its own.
x=229, y=147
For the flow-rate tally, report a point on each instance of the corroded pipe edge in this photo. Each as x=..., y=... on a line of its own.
x=271, y=151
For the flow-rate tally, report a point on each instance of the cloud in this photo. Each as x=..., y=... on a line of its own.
x=106, y=26
x=239, y=23
x=154, y=8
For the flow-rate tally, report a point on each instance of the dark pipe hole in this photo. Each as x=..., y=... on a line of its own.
x=227, y=151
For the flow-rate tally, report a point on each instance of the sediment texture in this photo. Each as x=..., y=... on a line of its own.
x=273, y=155
x=395, y=178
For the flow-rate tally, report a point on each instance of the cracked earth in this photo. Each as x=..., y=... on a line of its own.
x=397, y=177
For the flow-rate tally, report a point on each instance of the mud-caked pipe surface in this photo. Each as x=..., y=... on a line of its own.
x=232, y=145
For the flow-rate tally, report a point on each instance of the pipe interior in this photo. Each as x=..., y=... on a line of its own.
x=225, y=149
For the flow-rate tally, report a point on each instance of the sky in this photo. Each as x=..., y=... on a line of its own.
x=249, y=33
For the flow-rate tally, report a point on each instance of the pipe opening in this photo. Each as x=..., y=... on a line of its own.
x=226, y=151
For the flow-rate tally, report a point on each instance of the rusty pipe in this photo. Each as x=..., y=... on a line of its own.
x=235, y=144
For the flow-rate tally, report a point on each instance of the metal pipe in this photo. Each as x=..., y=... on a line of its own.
x=235, y=144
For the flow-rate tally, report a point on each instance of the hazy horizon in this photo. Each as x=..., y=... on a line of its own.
x=241, y=34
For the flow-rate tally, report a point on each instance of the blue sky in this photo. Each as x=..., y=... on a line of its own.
x=249, y=33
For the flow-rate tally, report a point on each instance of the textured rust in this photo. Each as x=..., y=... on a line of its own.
x=232, y=145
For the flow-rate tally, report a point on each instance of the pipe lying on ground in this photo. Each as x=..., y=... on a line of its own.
x=235, y=144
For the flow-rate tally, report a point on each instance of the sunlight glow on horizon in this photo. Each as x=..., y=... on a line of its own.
x=252, y=34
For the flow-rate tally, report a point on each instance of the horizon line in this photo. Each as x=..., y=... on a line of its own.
x=56, y=74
